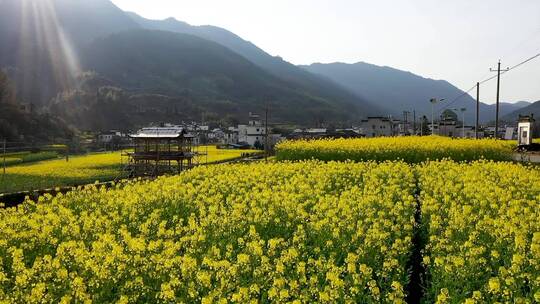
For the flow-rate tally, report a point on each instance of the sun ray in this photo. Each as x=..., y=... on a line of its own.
x=46, y=56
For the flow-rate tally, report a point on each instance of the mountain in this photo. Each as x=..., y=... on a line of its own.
x=399, y=91
x=19, y=122
x=300, y=78
x=508, y=107
x=45, y=45
x=86, y=20
x=532, y=108
x=98, y=105
x=204, y=74
x=40, y=41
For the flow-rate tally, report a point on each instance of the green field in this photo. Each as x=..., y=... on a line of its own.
x=84, y=169
x=18, y=158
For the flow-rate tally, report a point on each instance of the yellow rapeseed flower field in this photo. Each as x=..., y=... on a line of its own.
x=411, y=149
x=86, y=169
x=482, y=225
x=58, y=172
x=303, y=232
x=288, y=232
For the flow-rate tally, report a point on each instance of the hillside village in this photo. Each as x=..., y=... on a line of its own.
x=253, y=134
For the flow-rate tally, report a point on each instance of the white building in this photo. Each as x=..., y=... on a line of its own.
x=525, y=130
x=377, y=126
x=253, y=133
x=469, y=132
x=447, y=127
x=309, y=133
x=107, y=137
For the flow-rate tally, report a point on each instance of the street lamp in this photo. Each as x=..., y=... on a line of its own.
x=433, y=102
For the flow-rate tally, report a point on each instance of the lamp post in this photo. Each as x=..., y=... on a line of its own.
x=433, y=102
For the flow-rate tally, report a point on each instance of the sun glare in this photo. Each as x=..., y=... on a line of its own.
x=39, y=20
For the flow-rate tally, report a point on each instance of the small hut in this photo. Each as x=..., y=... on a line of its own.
x=161, y=150
x=525, y=130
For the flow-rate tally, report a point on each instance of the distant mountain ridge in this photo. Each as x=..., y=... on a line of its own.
x=207, y=74
x=398, y=90
x=43, y=68
x=533, y=108
x=202, y=69
x=304, y=80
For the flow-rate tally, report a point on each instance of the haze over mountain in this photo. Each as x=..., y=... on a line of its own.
x=40, y=41
x=275, y=65
x=219, y=72
x=21, y=123
x=141, y=70
x=399, y=91
x=533, y=108
x=201, y=73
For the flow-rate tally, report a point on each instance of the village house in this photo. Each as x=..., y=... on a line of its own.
x=231, y=136
x=525, y=130
x=253, y=133
x=309, y=133
x=376, y=126
x=110, y=137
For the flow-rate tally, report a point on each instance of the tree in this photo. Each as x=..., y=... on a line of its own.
x=424, y=125
x=7, y=92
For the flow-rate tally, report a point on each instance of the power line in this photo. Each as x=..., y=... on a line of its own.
x=523, y=62
x=488, y=79
x=457, y=98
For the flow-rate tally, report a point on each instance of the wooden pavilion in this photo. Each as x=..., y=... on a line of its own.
x=161, y=150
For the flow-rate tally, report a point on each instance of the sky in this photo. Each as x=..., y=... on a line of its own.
x=458, y=40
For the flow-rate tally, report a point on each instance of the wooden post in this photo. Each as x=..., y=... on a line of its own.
x=498, y=97
x=498, y=70
x=266, y=148
x=477, y=126
x=4, y=161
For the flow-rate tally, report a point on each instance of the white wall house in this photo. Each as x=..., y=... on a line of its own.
x=469, y=132
x=253, y=133
x=107, y=137
x=448, y=128
x=379, y=126
x=525, y=130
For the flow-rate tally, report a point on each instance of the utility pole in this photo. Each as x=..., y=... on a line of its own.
x=405, y=122
x=433, y=102
x=266, y=134
x=4, y=161
x=477, y=125
x=414, y=122
x=463, y=121
x=498, y=96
